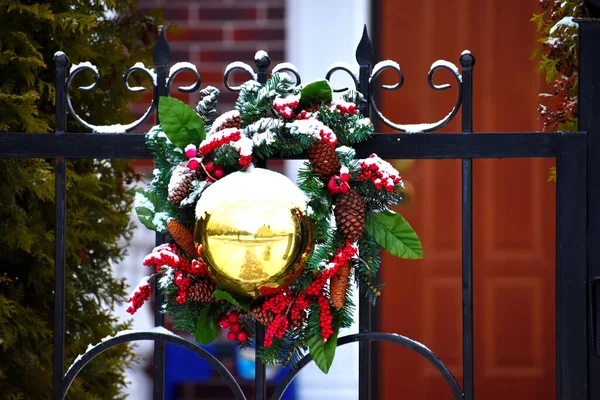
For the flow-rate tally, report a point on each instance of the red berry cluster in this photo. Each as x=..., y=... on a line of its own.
x=304, y=115
x=139, y=298
x=381, y=179
x=232, y=321
x=279, y=303
x=328, y=137
x=245, y=161
x=325, y=317
x=346, y=108
x=340, y=258
x=284, y=302
x=166, y=254
x=215, y=171
x=183, y=284
x=276, y=329
x=219, y=140
x=285, y=107
x=298, y=309
x=198, y=268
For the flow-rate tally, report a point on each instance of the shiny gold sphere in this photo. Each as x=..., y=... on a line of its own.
x=252, y=232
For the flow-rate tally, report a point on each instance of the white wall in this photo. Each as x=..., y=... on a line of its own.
x=319, y=33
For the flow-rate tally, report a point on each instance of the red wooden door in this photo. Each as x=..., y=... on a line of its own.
x=513, y=208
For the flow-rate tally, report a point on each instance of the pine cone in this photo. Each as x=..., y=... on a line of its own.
x=325, y=162
x=339, y=285
x=183, y=237
x=181, y=181
x=202, y=292
x=230, y=119
x=350, y=214
x=264, y=317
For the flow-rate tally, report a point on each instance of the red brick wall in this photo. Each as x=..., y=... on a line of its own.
x=213, y=33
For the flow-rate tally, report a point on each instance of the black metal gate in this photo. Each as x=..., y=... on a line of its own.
x=577, y=215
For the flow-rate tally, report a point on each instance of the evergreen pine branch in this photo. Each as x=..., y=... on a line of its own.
x=368, y=286
x=227, y=156
x=207, y=107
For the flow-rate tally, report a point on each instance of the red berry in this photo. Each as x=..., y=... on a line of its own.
x=233, y=317
x=242, y=336
x=193, y=163
x=344, y=187
x=210, y=167
x=235, y=327
x=231, y=336
x=219, y=173
x=224, y=324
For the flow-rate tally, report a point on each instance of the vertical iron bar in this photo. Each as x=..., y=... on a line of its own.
x=467, y=61
x=60, y=234
x=260, y=371
x=571, y=345
x=364, y=56
x=589, y=110
x=162, y=57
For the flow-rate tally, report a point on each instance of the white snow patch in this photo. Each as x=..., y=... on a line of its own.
x=150, y=71
x=244, y=146
x=446, y=64
x=141, y=201
x=240, y=65
x=345, y=150
x=384, y=65
x=221, y=119
x=311, y=127
x=178, y=66
x=116, y=128
x=160, y=221
x=566, y=21
x=85, y=64
x=256, y=185
x=339, y=65
x=180, y=174
x=419, y=128
x=163, y=330
x=166, y=280
x=285, y=66
x=260, y=54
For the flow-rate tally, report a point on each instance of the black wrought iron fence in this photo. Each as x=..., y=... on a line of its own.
x=577, y=215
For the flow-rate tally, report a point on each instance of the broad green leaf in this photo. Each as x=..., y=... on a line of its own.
x=322, y=353
x=392, y=232
x=206, y=327
x=180, y=122
x=145, y=205
x=223, y=295
x=315, y=93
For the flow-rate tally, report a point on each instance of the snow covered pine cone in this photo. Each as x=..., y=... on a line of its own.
x=325, y=162
x=350, y=214
x=339, y=284
x=202, y=292
x=230, y=119
x=181, y=181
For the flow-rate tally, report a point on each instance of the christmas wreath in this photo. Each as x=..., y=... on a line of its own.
x=247, y=243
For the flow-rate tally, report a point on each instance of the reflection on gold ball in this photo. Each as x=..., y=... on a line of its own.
x=253, y=242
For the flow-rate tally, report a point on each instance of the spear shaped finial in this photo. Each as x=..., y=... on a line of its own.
x=161, y=53
x=364, y=51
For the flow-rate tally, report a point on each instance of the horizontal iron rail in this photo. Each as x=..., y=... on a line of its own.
x=399, y=145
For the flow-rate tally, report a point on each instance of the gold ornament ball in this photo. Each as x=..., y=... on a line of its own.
x=252, y=231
